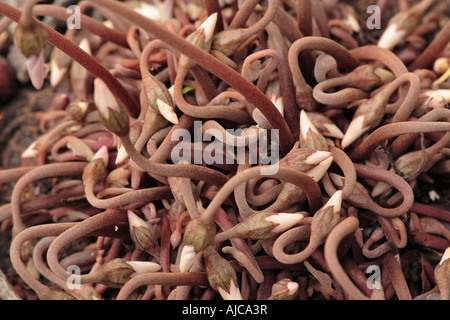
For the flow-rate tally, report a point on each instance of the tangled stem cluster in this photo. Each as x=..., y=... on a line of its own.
x=362, y=120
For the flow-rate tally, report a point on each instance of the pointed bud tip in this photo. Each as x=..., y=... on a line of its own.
x=187, y=257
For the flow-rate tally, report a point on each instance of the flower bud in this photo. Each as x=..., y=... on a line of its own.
x=199, y=233
x=367, y=116
x=159, y=98
x=325, y=126
x=366, y=77
x=221, y=275
x=115, y=273
x=30, y=39
x=143, y=267
x=143, y=235
x=112, y=114
x=228, y=41
x=441, y=65
x=399, y=27
x=36, y=69
x=95, y=170
x=402, y=24
x=265, y=225
x=409, y=164
x=77, y=109
x=310, y=137
x=304, y=159
x=203, y=35
x=326, y=217
x=284, y=289
x=442, y=275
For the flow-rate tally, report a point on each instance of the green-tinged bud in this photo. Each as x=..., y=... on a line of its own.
x=228, y=41
x=119, y=177
x=202, y=37
x=115, y=273
x=96, y=169
x=431, y=103
x=303, y=159
x=77, y=109
x=30, y=39
x=112, y=114
x=368, y=115
x=326, y=217
x=325, y=126
x=359, y=191
x=310, y=137
x=143, y=235
x=285, y=289
x=399, y=27
x=265, y=225
x=442, y=275
x=199, y=233
x=410, y=164
x=402, y=24
x=318, y=171
x=159, y=98
x=366, y=77
x=221, y=275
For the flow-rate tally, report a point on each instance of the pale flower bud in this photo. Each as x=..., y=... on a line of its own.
x=265, y=225
x=112, y=114
x=221, y=275
x=284, y=289
x=143, y=235
x=327, y=217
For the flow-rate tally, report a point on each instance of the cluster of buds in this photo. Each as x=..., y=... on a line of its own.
x=143, y=234
x=112, y=113
x=221, y=275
